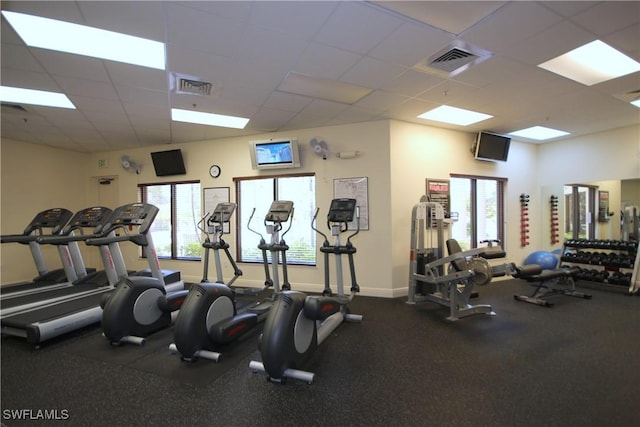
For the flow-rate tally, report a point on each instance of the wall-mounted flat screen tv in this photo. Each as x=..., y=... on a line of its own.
x=491, y=146
x=168, y=163
x=274, y=153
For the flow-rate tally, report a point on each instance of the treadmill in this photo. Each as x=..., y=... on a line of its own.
x=48, y=321
x=93, y=218
x=47, y=222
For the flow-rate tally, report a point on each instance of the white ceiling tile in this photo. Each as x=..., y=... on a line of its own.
x=410, y=44
x=356, y=27
x=452, y=16
x=609, y=17
x=324, y=61
x=511, y=24
x=372, y=73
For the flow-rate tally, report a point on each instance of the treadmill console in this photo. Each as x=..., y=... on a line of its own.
x=222, y=213
x=93, y=217
x=342, y=210
x=140, y=214
x=279, y=211
x=51, y=218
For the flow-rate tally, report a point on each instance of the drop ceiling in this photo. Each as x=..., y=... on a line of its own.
x=246, y=51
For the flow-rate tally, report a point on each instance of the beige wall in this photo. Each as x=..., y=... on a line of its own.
x=396, y=157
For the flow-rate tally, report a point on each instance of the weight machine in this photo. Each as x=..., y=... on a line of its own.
x=448, y=281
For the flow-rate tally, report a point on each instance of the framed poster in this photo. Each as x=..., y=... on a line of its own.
x=438, y=191
x=211, y=197
x=354, y=188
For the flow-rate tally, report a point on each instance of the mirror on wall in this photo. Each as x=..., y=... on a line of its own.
x=581, y=210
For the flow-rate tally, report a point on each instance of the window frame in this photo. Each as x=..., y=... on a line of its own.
x=142, y=196
x=275, y=178
x=501, y=183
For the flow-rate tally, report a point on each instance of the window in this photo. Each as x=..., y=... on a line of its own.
x=258, y=193
x=479, y=202
x=175, y=231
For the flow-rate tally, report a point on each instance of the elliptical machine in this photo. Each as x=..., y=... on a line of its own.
x=215, y=224
x=140, y=305
x=209, y=317
x=297, y=323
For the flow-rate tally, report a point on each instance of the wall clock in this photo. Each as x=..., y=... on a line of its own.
x=215, y=171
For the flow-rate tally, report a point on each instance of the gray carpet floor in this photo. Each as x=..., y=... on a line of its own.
x=576, y=364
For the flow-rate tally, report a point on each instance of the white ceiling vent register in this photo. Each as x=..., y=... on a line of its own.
x=190, y=85
x=455, y=58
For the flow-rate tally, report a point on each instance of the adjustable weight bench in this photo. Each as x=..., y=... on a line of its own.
x=548, y=283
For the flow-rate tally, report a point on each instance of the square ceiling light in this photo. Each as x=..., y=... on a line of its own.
x=593, y=63
x=330, y=90
x=62, y=36
x=453, y=115
x=208, y=119
x=35, y=97
x=539, y=133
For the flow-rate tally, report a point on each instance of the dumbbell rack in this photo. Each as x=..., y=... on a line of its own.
x=613, y=263
x=555, y=222
x=524, y=220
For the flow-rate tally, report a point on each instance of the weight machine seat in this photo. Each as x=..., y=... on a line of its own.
x=491, y=252
x=535, y=273
x=454, y=248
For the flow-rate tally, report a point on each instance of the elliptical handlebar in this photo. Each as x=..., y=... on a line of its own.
x=313, y=227
x=357, y=225
x=290, y=224
x=201, y=227
x=251, y=229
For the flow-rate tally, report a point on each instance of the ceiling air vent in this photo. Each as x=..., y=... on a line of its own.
x=190, y=85
x=453, y=59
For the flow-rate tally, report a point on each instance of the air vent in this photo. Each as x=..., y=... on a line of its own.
x=453, y=59
x=190, y=85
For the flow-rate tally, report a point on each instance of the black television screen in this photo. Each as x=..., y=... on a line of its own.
x=275, y=153
x=167, y=163
x=491, y=146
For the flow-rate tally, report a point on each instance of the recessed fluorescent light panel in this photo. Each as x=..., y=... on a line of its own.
x=329, y=90
x=208, y=119
x=636, y=103
x=539, y=133
x=35, y=97
x=453, y=115
x=592, y=63
x=62, y=36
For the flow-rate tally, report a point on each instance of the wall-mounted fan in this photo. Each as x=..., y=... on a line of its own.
x=320, y=147
x=130, y=165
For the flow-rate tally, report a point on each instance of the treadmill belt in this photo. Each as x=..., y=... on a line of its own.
x=43, y=314
x=43, y=296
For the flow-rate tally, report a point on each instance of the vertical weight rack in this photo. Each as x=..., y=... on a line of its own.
x=555, y=222
x=524, y=220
